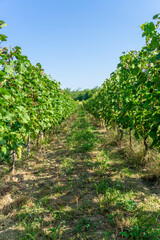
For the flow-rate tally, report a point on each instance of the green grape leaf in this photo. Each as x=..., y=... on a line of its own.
x=3, y=37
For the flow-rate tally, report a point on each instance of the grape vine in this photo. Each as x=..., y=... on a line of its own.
x=30, y=101
x=131, y=97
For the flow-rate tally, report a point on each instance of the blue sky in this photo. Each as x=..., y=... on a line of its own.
x=78, y=42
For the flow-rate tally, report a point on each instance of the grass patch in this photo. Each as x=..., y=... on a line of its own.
x=80, y=184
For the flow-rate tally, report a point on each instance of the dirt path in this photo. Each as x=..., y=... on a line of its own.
x=78, y=186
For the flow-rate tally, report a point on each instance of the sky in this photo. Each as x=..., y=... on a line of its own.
x=77, y=42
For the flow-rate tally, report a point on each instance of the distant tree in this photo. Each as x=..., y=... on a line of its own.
x=67, y=90
x=81, y=95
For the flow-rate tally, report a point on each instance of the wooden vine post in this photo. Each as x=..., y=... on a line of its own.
x=120, y=131
x=13, y=159
x=28, y=146
x=145, y=145
x=130, y=137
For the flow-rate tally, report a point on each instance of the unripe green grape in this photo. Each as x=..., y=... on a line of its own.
x=19, y=152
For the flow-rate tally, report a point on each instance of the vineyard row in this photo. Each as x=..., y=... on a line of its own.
x=130, y=98
x=31, y=102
